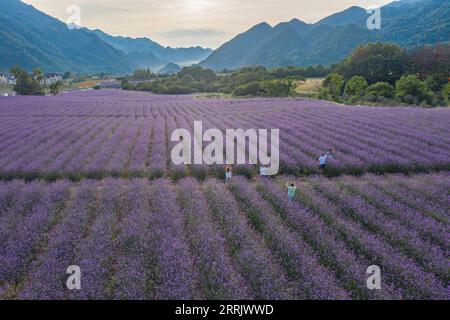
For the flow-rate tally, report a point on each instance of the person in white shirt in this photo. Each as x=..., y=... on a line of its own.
x=323, y=161
x=292, y=190
x=262, y=171
x=228, y=173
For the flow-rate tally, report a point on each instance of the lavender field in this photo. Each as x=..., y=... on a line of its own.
x=127, y=134
x=141, y=239
x=86, y=180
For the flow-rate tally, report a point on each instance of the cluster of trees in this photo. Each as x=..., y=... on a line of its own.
x=269, y=88
x=31, y=84
x=249, y=81
x=377, y=73
x=386, y=74
x=55, y=88
x=143, y=74
x=28, y=84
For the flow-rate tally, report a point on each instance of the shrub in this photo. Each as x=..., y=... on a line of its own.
x=380, y=89
x=424, y=104
x=412, y=89
x=446, y=93
x=278, y=88
x=55, y=88
x=177, y=89
x=437, y=81
x=356, y=86
x=158, y=88
x=251, y=88
x=197, y=73
x=324, y=94
x=370, y=98
x=334, y=84
x=126, y=85
x=187, y=80
x=410, y=99
x=352, y=100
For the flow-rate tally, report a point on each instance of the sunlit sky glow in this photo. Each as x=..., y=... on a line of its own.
x=177, y=23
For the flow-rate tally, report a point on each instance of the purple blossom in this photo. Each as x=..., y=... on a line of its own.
x=117, y=133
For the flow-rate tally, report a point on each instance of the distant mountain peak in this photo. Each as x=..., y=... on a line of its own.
x=354, y=9
x=350, y=15
x=261, y=26
x=296, y=21
x=170, y=68
x=146, y=53
x=333, y=38
x=295, y=25
x=31, y=38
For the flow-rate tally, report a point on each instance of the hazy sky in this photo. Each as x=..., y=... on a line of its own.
x=192, y=22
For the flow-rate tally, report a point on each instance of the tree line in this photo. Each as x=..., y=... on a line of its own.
x=248, y=81
x=32, y=84
x=376, y=73
x=380, y=73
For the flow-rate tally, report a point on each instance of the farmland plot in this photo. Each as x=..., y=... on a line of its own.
x=75, y=191
x=141, y=239
x=127, y=134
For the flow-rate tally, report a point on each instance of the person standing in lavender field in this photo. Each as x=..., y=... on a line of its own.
x=262, y=171
x=228, y=173
x=323, y=161
x=292, y=190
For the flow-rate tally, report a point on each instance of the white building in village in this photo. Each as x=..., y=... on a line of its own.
x=3, y=79
x=6, y=79
x=51, y=78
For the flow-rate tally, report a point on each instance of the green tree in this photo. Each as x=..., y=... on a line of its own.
x=356, y=86
x=179, y=89
x=38, y=81
x=143, y=74
x=412, y=90
x=126, y=85
x=25, y=84
x=333, y=84
x=253, y=88
x=446, y=92
x=279, y=88
x=380, y=90
x=431, y=62
x=187, y=80
x=375, y=62
x=55, y=88
x=436, y=82
x=198, y=73
x=158, y=88
x=38, y=75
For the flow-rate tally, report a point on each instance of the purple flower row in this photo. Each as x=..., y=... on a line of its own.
x=296, y=256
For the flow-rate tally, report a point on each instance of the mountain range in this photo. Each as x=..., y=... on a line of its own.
x=145, y=53
x=408, y=23
x=31, y=38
